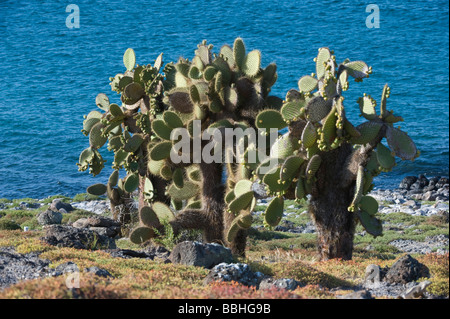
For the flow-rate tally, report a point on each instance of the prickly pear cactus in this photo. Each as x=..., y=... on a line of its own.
x=321, y=146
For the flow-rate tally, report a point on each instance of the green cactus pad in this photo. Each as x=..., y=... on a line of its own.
x=244, y=220
x=163, y=211
x=142, y=234
x=198, y=92
x=229, y=196
x=329, y=127
x=371, y=224
x=313, y=166
x=96, y=139
x=243, y=186
x=239, y=52
x=120, y=158
x=367, y=106
x=369, y=205
x=194, y=204
x=273, y=181
x=285, y=146
x=290, y=167
x=369, y=131
x=178, y=177
x=161, y=151
x=252, y=63
x=148, y=217
x=358, y=189
x=154, y=167
x=88, y=124
x=401, y=144
x=132, y=93
x=97, y=189
x=270, y=119
x=309, y=135
x=131, y=182
x=166, y=172
x=227, y=53
x=102, y=101
x=292, y=110
x=180, y=100
x=161, y=129
x=115, y=110
x=322, y=58
x=133, y=143
x=384, y=157
x=357, y=69
x=113, y=178
x=209, y=73
x=384, y=95
x=86, y=156
x=270, y=75
x=351, y=130
x=172, y=119
x=115, y=143
x=241, y=202
x=300, y=191
x=343, y=80
x=232, y=231
x=307, y=83
x=148, y=190
x=318, y=108
x=189, y=190
x=129, y=59
x=274, y=211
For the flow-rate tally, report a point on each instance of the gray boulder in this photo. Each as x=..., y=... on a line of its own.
x=57, y=204
x=240, y=273
x=80, y=238
x=283, y=283
x=98, y=272
x=194, y=253
x=49, y=217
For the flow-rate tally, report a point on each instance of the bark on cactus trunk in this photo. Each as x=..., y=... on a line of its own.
x=329, y=201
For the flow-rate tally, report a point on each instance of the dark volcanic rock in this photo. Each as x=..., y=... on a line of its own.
x=15, y=267
x=80, y=238
x=200, y=254
x=405, y=270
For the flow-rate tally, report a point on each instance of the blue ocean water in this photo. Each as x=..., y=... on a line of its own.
x=51, y=74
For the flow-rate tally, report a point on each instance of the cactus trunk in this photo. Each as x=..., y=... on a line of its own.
x=329, y=207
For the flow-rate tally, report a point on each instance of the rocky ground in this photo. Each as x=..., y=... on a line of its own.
x=415, y=220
